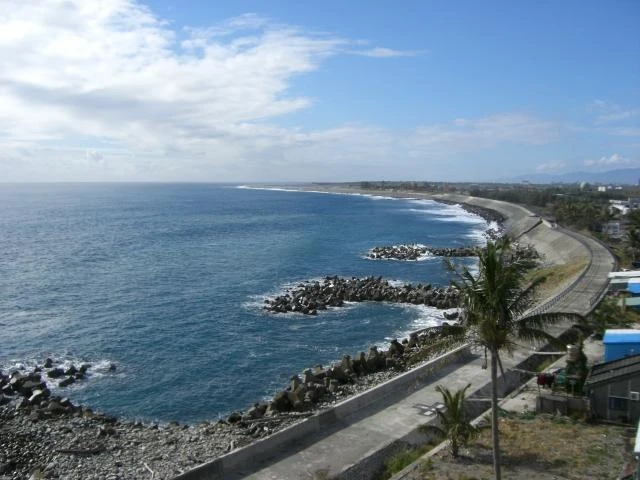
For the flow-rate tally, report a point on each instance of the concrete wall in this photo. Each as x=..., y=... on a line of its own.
x=225, y=466
x=551, y=403
x=600, y=394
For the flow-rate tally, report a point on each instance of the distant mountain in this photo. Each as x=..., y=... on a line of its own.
x=622, y=176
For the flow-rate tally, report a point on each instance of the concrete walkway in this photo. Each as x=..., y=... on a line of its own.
x=374, y=430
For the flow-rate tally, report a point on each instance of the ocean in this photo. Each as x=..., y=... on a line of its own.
x=167, y=283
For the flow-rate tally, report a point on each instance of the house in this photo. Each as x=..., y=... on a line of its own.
x=620, y=342
x=618, y=284
x=614, y=389
x=612, y=228
x=630, y=302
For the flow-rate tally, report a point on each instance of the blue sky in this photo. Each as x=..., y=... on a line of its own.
x=119, y=90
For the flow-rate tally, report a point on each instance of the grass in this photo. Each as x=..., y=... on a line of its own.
x=541, y=447
x=402, y=459
x=557, y=276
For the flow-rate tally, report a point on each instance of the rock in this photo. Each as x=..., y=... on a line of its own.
x=396, y=348
x=281, y=402
x=55, y=407
x=8, y=466
x=48, y=363
x=30, y=386
x=295, y=399
x=235, y=417
x=66, y=382
x=38, y=395
x=55, y=373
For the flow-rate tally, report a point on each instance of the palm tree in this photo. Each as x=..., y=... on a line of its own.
x=454, y=422
x=495, y=303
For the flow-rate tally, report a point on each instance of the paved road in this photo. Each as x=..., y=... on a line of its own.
x=584, y=294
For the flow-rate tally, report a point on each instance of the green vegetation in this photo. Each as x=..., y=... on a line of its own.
x=539, y=446
x=401, y=460
x=455, y=425
x=608, y=315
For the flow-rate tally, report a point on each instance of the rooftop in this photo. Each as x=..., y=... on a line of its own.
x=621, y=335
x=605, y=372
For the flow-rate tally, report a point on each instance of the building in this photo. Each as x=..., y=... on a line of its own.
x=614, y=389
x=631, y=302
x=620, y=343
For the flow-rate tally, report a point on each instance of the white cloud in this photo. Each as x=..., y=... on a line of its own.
x=550, y=167
x=608, y=112
x=614, y=159
x=108, y=91
x=465, y=134
x=386, y=53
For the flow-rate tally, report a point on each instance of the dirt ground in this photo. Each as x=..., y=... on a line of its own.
x=541, y=447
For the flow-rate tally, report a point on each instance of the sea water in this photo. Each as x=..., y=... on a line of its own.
x=167, y=282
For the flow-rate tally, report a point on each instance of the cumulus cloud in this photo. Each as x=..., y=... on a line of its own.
x=614, y=159
x=550, y=167
x=147, y=101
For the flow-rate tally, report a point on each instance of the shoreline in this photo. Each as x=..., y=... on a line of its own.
x=83, y=444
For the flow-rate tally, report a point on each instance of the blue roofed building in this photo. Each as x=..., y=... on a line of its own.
x=634, y=289
x=620, y=343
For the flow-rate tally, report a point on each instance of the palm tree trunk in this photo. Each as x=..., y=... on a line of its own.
x=495, y=433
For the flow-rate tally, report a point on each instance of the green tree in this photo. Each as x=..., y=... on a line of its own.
x=607, y=315
x=454, y=422
x=496, y=302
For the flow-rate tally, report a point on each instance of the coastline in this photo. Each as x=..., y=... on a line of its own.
x=92, y=445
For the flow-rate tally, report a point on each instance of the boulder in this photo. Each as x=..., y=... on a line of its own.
x=66, y=382
x=38, y=395
x=235, y=417
x=55, y=372
x=280, y=402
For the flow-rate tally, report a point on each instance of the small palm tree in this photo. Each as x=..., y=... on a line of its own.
x=454, y=422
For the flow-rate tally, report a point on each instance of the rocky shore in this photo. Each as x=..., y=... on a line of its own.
x=309, y=297
x=43, y=435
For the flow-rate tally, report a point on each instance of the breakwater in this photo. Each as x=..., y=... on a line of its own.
x=416, y=251
x=309, y=297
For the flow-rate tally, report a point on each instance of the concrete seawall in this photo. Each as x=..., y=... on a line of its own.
x=235, y=463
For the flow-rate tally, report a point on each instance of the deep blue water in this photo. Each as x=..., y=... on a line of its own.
x=167, y=282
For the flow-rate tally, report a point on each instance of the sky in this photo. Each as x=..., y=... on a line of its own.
x=290, y=91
